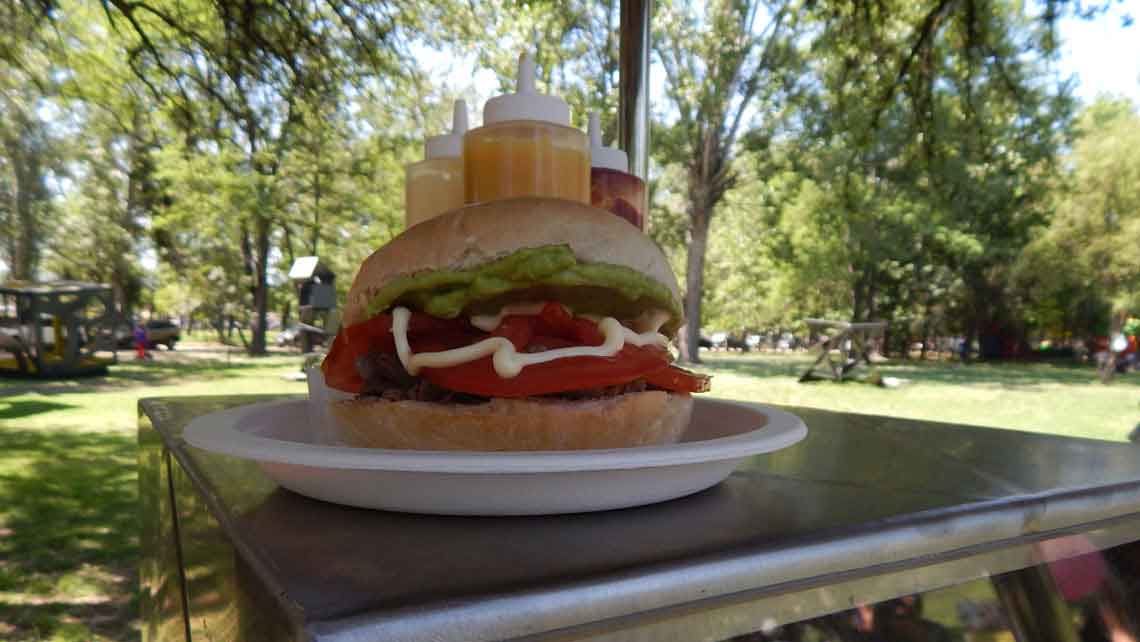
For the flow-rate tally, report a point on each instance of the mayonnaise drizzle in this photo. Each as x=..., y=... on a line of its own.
x=488, y=322
x=507, y=361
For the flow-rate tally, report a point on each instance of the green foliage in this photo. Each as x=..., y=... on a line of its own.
x=895, y=160
x=924, y=154
x=1085, y=265
x=574, y=43
x=1098, y=217
x=221, y=143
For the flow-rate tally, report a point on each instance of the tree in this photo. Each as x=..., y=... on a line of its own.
x=723, y=72
x=106, y=140
x=938, y=126
x=27, y=146
x=240, y=76
x=24, y=196
x=1097, y=223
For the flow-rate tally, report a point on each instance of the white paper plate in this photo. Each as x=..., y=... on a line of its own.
x=278, y=435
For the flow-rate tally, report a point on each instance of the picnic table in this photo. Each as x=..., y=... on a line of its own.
x=852, y=342
x=865, y=511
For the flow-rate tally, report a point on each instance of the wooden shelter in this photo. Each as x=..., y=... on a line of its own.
x=56, y=329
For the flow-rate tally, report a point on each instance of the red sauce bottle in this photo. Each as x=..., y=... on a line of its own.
x=612, y=187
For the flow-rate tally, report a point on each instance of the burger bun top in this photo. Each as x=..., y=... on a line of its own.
x=477, y=234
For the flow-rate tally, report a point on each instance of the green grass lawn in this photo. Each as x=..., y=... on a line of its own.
x=1058, y=398
x=68, y=491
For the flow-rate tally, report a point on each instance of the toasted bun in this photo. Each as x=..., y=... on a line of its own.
x=634, y=419
x=477, y=234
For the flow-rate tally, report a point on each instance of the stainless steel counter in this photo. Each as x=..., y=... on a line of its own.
x=865, y=509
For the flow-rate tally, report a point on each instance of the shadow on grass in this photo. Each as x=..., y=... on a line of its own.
x=25, y=408
x=946, y=373
x=130, y=373
x=68, y=534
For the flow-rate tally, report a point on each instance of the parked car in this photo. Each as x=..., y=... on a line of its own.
x=724, y=341
x=158, y=332
x=162, y=332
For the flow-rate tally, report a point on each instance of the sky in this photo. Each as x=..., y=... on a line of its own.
x=1103, y=55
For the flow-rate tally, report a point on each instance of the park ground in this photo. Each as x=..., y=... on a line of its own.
x=68, y=493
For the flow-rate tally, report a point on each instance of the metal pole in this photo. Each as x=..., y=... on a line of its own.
x=633, y=83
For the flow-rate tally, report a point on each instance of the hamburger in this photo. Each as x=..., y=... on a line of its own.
x=529, y=324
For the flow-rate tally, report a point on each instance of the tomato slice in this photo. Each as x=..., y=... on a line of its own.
x=555, y=321
x=676, y=379
x=551, y=329
x=573, y=373
x=375, y=334
x=339, y=366
x=517, y=329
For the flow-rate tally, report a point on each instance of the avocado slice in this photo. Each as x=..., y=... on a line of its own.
x=546, y=273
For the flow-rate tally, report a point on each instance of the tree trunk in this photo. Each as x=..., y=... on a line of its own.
x=694, y=283
x=872, y=296
x=926, y=329
x=261, y=285
x=30, y=191
x=137, y=176
x=858, y=299
x=972, y=335
x=220, y=328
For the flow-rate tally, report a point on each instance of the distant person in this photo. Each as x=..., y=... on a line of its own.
x=964, y=351
x=140, y=342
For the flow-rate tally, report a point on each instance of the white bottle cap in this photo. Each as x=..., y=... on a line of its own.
x=604, y=157
x=527, y=104
x=449, y=145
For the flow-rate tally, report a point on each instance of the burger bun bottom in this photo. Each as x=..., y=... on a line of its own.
x=634, y=419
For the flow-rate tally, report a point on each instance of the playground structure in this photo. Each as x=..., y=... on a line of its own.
x=851, y=342
x=56, y=329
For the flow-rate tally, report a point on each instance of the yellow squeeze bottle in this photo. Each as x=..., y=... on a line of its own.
x=435, y=185
x=526, y=147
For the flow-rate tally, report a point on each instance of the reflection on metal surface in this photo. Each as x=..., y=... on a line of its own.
x=1091, y=598
x=226, y=601
x=633, y=80
x=160, y=587
x=772, y=608
x=1103, y=587
x=858, y=513
x=1033, y=606
x=967, y=612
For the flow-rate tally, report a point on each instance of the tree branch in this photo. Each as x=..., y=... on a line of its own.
x=926, y=34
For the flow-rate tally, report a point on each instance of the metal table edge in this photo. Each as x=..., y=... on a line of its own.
x=669, y=586
x=981, y=555
x=260, y=566
x=1003, y=522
